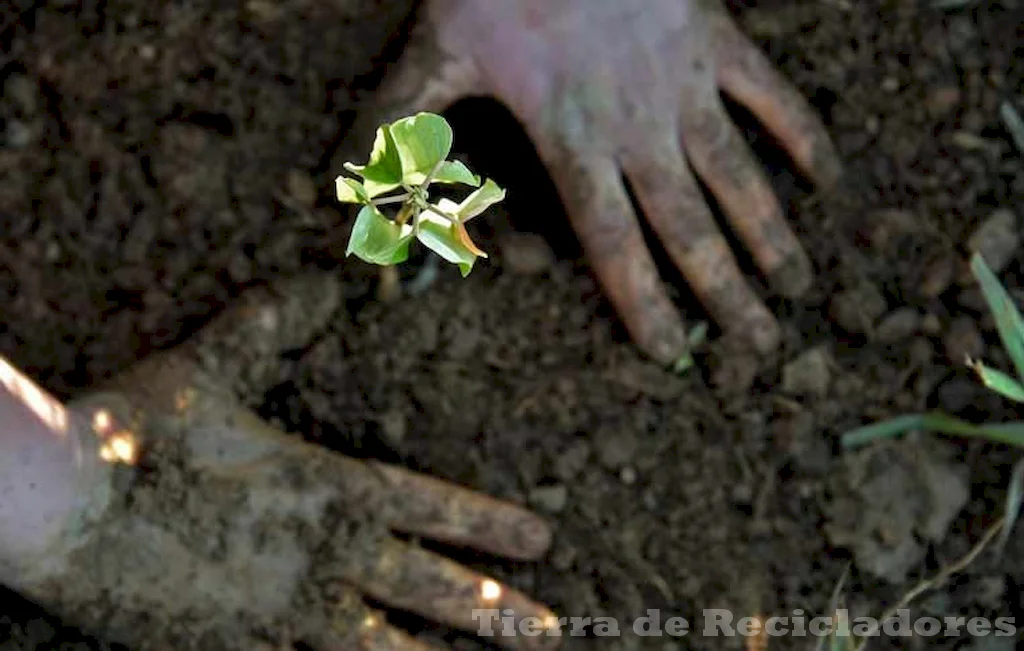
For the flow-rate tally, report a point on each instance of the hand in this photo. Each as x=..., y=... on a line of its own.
x=227, y=534
x=608, y=88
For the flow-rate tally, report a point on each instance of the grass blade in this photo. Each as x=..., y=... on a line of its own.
x=1014, y=124
x=1009, y=433
x=999, y=382
x=885, y=429
x=1014, y=496
x=1008, y=320
x=945, y=5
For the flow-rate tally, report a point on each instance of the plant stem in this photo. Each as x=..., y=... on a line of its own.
x=430, y=177
x=389, y=200
x=943, y=575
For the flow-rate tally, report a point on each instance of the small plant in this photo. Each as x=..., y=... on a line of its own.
x=408, y=156
x=1010, y=326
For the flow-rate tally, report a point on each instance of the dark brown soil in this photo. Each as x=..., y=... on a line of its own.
x=158, y=157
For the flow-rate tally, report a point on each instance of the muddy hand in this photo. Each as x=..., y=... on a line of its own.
x=198, y=526
x=610, y=89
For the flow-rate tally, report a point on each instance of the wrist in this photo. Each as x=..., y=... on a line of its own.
x=57, y=473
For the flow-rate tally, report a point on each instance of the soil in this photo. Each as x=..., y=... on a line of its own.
x=157, y=158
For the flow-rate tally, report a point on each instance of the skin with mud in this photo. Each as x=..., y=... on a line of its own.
x=220, y=532
x=181, y=180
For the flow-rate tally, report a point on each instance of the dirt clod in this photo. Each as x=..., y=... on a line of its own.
x=809, y=374
x=888, y=505
x=963, y=341
x=996, y=239
x=526, y=253
x=856, y=310
x=551, y=499
x=898, y=325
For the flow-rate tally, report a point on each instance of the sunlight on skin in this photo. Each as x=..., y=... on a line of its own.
x=47, y=408
x=119, y=445
x=490, y=591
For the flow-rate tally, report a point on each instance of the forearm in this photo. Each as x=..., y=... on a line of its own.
x=53, y=479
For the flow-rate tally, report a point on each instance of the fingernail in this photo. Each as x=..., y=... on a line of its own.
x=828, y=169
x=667, y=343
x=533, y=537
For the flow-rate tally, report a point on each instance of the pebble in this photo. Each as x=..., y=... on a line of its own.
x=572, y=461
x=526, y=254
x=931, y=324
x=972, y=299
x=996, y=239
x=938, y=275
x=742, y=494
x=990, y=591
x=900, y=324
x=563, y=557
x=889, y=224
x=963, y=341
x=942, y=100
x=17, y=134
x=615, y=447
x=735, y=373
x=393, y=427
x=301, y=187
x=809, y=374
x=550, y=498
x=628, y=476
x=957, y=394
x=857, y=309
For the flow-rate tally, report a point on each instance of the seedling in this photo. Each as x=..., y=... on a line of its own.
x=694, y=338
x=408, y=156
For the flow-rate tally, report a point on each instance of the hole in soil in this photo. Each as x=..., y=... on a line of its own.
x=123, y=298
x=218, y=122
x=497, y=146
x=786, y=472
x=146, y=165
x=824, y=100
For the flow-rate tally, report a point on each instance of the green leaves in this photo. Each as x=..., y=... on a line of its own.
x=378, y=240
x=479, y=201
x=448, y=240
x=453, y=171
x=384, y=171
x=410, y=154
x=423, y=141
x=350, y=191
